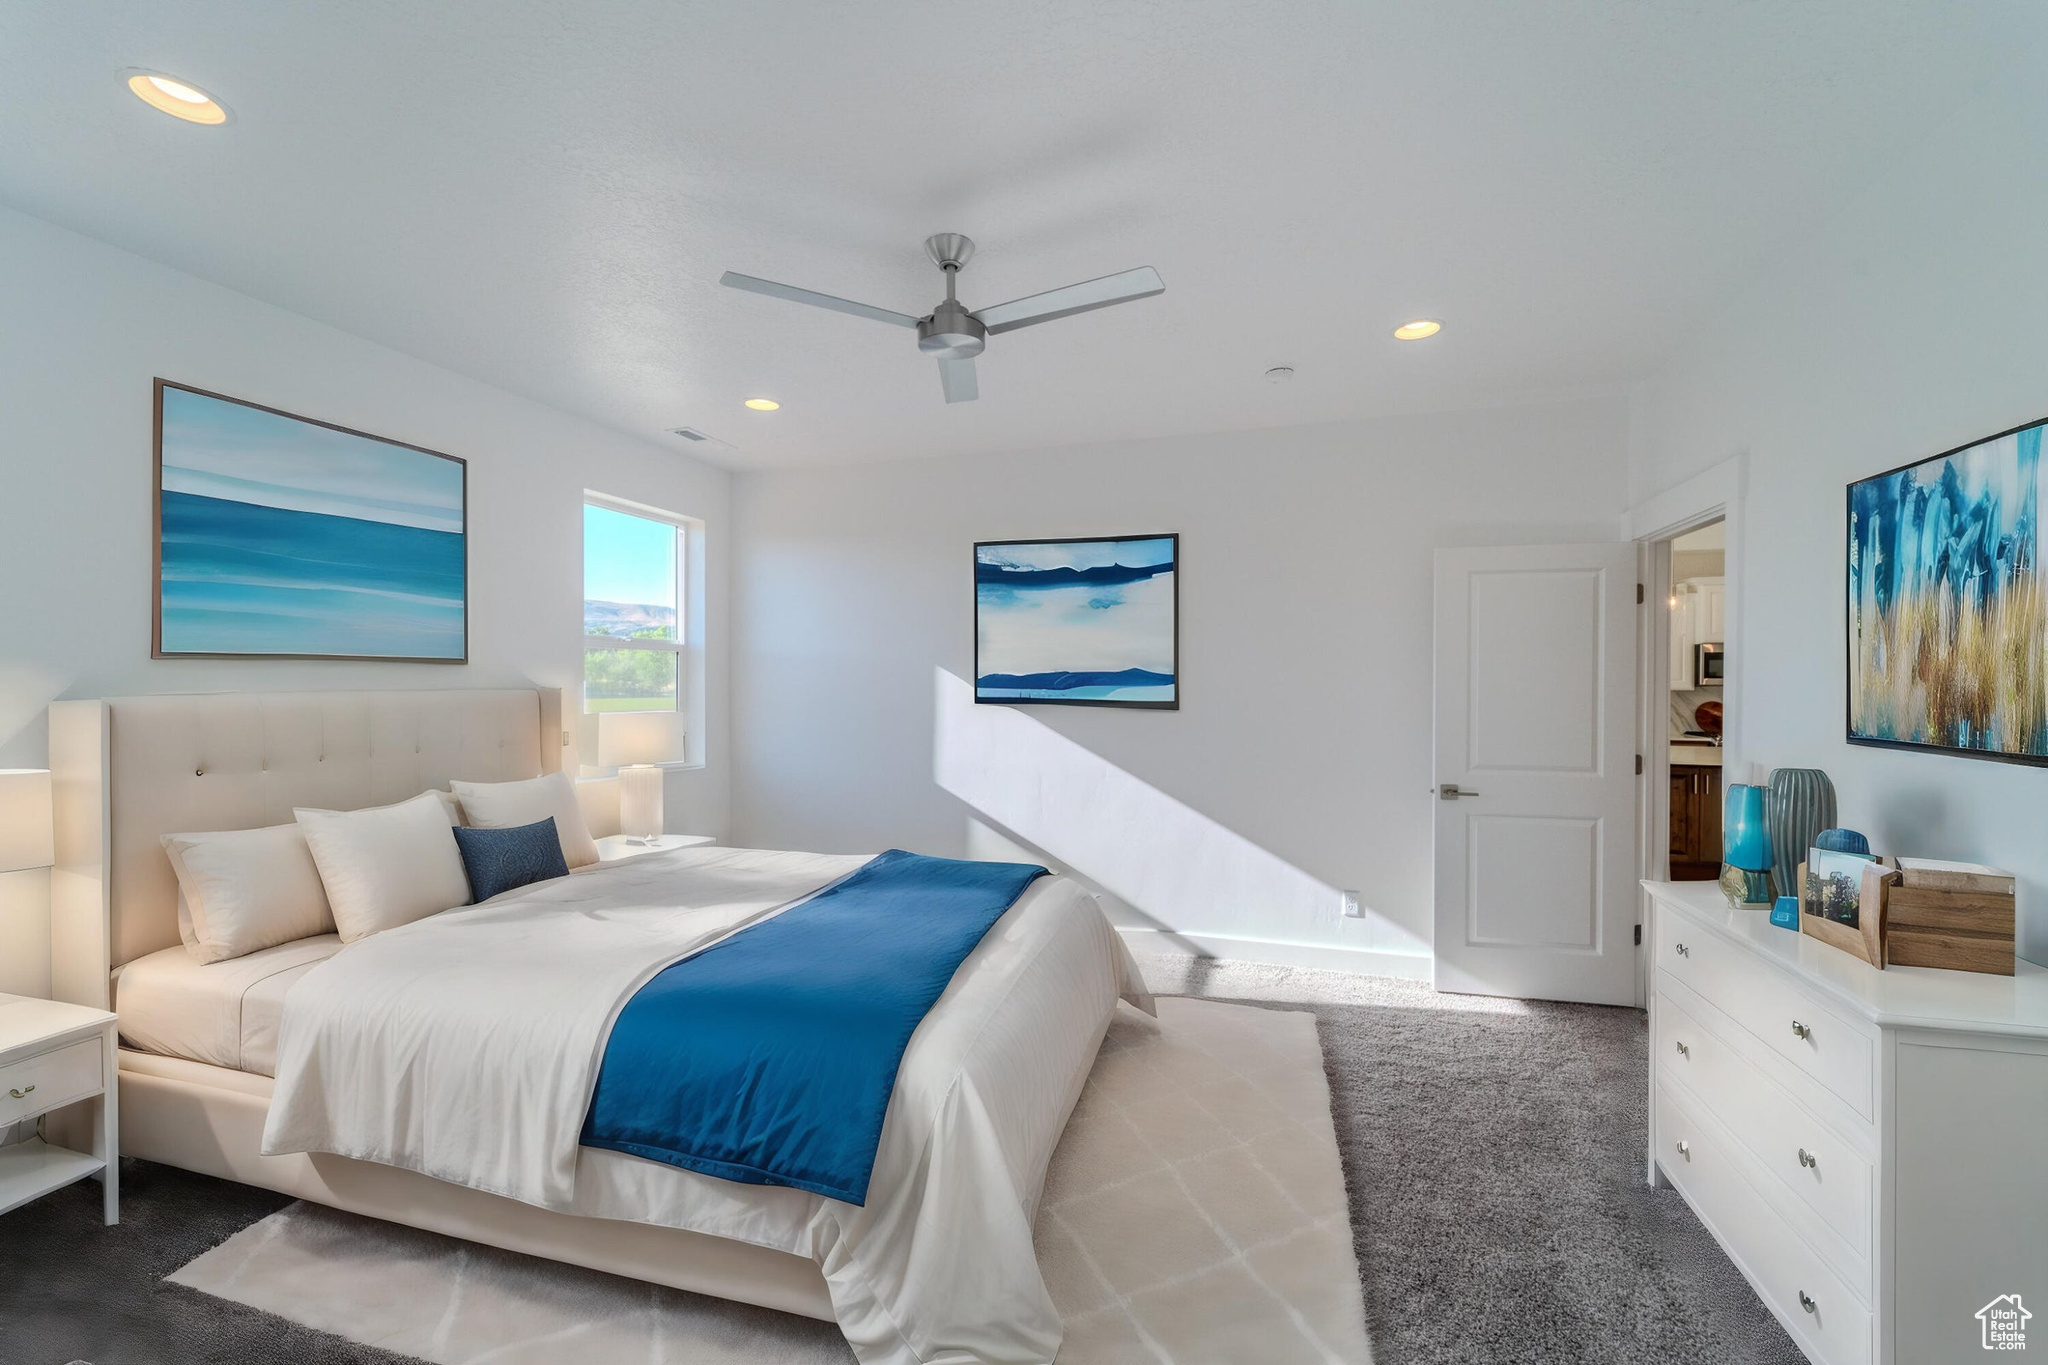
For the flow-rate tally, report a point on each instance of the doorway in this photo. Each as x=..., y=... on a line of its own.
x=1696, y=604
x=1713, y=497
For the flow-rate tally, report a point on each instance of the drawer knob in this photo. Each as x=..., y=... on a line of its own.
x=1683, y=1050
x=1685, y=1149
x=1808, y=1159
x=1800, y=1030
x=1683, y=951
x=1806, y=1302
x=22, y=1093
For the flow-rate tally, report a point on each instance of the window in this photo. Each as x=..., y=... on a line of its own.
x=633, y=626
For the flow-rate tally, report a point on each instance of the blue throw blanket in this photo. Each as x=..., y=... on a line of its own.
x=769, y=1058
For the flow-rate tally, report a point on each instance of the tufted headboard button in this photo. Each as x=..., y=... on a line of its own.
x=199, y=772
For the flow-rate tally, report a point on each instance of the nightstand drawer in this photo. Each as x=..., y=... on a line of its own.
x=1791, y=1023
x=42, y=1082
x=1804, y=1154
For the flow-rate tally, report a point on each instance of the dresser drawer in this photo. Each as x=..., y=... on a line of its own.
x=1790, y=1022
x=1828, y=1321
x=1804, y=1155
x=49, y=1079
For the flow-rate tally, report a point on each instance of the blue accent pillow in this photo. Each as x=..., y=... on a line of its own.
x=500, y=859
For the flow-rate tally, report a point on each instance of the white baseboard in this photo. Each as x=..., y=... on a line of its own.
x=1146, y=942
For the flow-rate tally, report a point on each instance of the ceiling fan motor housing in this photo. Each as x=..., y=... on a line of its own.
x=951, y=331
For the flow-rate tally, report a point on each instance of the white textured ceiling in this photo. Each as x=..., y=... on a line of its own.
x=543, y=196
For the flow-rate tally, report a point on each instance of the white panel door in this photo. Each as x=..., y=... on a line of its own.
x=1535, y=769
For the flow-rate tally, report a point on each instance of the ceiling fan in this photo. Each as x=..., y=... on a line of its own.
x=956, y=335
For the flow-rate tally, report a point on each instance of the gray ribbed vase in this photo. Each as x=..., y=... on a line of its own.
x=1800, y=805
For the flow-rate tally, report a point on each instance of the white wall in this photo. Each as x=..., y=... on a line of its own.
x=1911, y=324
x=1299, y=762
x=83, y=330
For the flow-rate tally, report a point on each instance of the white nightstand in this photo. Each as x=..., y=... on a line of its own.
x=51, y=1055
x=613, y=847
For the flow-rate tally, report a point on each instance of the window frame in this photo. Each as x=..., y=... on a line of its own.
x=679, y=645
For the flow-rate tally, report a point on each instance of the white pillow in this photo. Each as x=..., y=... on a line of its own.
x=388, y=865
x=244, y=889
x=507, y=805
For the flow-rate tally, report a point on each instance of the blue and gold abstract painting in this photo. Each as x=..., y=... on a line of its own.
x=281, y=536
x=1947, y=626
x=1090, y=622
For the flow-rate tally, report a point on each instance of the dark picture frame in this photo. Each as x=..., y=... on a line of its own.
x=1092, y=689
x=452, y=561
x=2003, y=561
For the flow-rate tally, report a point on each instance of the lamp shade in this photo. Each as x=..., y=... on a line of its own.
x=639, y=737
x=25, y=836
x=1747, y=841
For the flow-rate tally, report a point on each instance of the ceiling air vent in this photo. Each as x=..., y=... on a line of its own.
x=702, y=438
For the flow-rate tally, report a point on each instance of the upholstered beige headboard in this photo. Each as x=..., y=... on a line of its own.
x=127, y=770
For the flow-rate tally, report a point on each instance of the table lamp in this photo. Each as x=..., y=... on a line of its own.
x=634, y=742
x=1745, y=876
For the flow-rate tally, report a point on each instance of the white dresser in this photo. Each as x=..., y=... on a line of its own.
x=1869, y=1147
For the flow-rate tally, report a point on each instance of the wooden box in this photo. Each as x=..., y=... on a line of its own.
x=1951, y=915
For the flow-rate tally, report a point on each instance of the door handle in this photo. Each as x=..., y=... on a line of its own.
x=1449, y=792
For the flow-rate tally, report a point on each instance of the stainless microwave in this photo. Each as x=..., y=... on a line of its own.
x=1708, y=662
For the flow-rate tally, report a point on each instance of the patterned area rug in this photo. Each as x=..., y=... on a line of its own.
x=1195, y=1214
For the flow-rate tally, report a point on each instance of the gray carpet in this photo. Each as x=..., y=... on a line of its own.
x=1494, y=1154
x=74, y=1290
x=1493, y=1151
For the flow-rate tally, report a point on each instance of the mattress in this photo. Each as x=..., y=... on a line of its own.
x=220, y=1013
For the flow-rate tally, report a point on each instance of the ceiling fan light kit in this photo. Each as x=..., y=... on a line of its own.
x=954, y=334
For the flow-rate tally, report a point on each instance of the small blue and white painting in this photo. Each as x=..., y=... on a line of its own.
x=281, y=536
x=1078, y=622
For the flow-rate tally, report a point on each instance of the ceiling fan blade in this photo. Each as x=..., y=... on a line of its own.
x=815, y=299
x=956, y=377
x=1141, y=283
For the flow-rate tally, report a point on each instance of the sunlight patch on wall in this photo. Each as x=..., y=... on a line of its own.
x=1179, y=869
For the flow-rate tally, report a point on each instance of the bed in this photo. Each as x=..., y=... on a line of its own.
x=930, y=1270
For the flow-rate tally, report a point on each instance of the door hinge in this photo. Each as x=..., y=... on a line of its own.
x=1639, y=765
x=1639, y=594
x=1639, y=935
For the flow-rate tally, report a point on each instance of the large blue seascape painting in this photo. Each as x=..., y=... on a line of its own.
x=1947, y=621
x=1078, y=622
x=281, y=536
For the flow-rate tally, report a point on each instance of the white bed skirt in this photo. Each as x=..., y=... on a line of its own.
x=210, y=1120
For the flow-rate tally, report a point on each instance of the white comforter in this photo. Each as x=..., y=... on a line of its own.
x=466, y=1046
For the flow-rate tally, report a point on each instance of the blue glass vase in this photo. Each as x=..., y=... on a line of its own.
x=1745, y=873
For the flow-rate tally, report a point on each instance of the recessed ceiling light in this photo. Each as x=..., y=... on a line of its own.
x=1418, y=329
x=179, y=99
x=763, y=404
x=1279, y=374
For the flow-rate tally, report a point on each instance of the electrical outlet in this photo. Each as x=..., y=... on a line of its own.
x=1351, y=909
